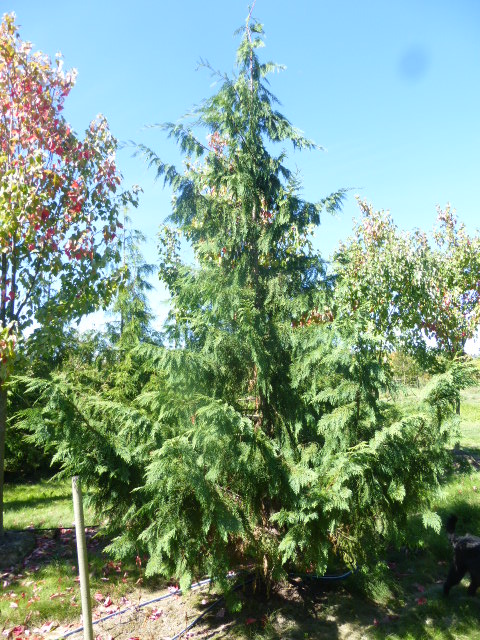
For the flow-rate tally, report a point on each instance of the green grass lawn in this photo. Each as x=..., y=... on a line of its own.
x=44, y=504
x=400, y=599
x=470, y=414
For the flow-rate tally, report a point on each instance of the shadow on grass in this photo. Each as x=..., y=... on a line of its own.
x=33, y=503
x=308, y=610
x=404, y=600
x=466, y=460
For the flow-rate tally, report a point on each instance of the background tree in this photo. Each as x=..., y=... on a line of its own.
x=86, y=409
x=416, y=290
x=58, y=205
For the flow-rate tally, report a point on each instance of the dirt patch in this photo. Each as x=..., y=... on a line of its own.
x=162, y=616
x=294, y=612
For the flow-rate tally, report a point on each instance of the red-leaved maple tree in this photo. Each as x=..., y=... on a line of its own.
x=59, y=204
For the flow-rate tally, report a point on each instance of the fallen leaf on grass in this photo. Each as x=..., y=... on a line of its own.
x=250, y=621
x=155, y=614
x=421, y=601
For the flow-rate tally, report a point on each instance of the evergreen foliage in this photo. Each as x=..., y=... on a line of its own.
x=263, y=433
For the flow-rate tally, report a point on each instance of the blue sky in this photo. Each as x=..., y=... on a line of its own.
x=391, y=90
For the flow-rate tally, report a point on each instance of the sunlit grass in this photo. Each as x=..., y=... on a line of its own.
x=470, y=414
x=43, y=504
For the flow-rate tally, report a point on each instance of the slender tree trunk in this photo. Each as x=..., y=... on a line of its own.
x=3, y=390
x=3, y=427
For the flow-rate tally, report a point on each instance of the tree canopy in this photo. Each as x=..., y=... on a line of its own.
x=419, y=291
x=59, y=205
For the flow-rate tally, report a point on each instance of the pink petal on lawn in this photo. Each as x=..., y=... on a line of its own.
x=98, y=597
x=13, y=605
x=421, y=601
x=250, y=620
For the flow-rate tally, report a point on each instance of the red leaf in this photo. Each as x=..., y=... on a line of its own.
x=156, y=614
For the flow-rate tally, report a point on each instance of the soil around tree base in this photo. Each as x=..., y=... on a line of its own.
x=14, y=547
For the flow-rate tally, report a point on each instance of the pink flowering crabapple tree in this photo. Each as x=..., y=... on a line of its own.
x=59, y=206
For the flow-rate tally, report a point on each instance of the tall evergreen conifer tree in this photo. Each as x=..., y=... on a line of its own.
x=263, y=397
x=255, y=271
x=261, y=434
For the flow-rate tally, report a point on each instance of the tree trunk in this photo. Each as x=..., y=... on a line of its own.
x=3, y=390
x=3, y=427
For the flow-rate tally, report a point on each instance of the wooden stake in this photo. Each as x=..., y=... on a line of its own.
x=82, y=558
